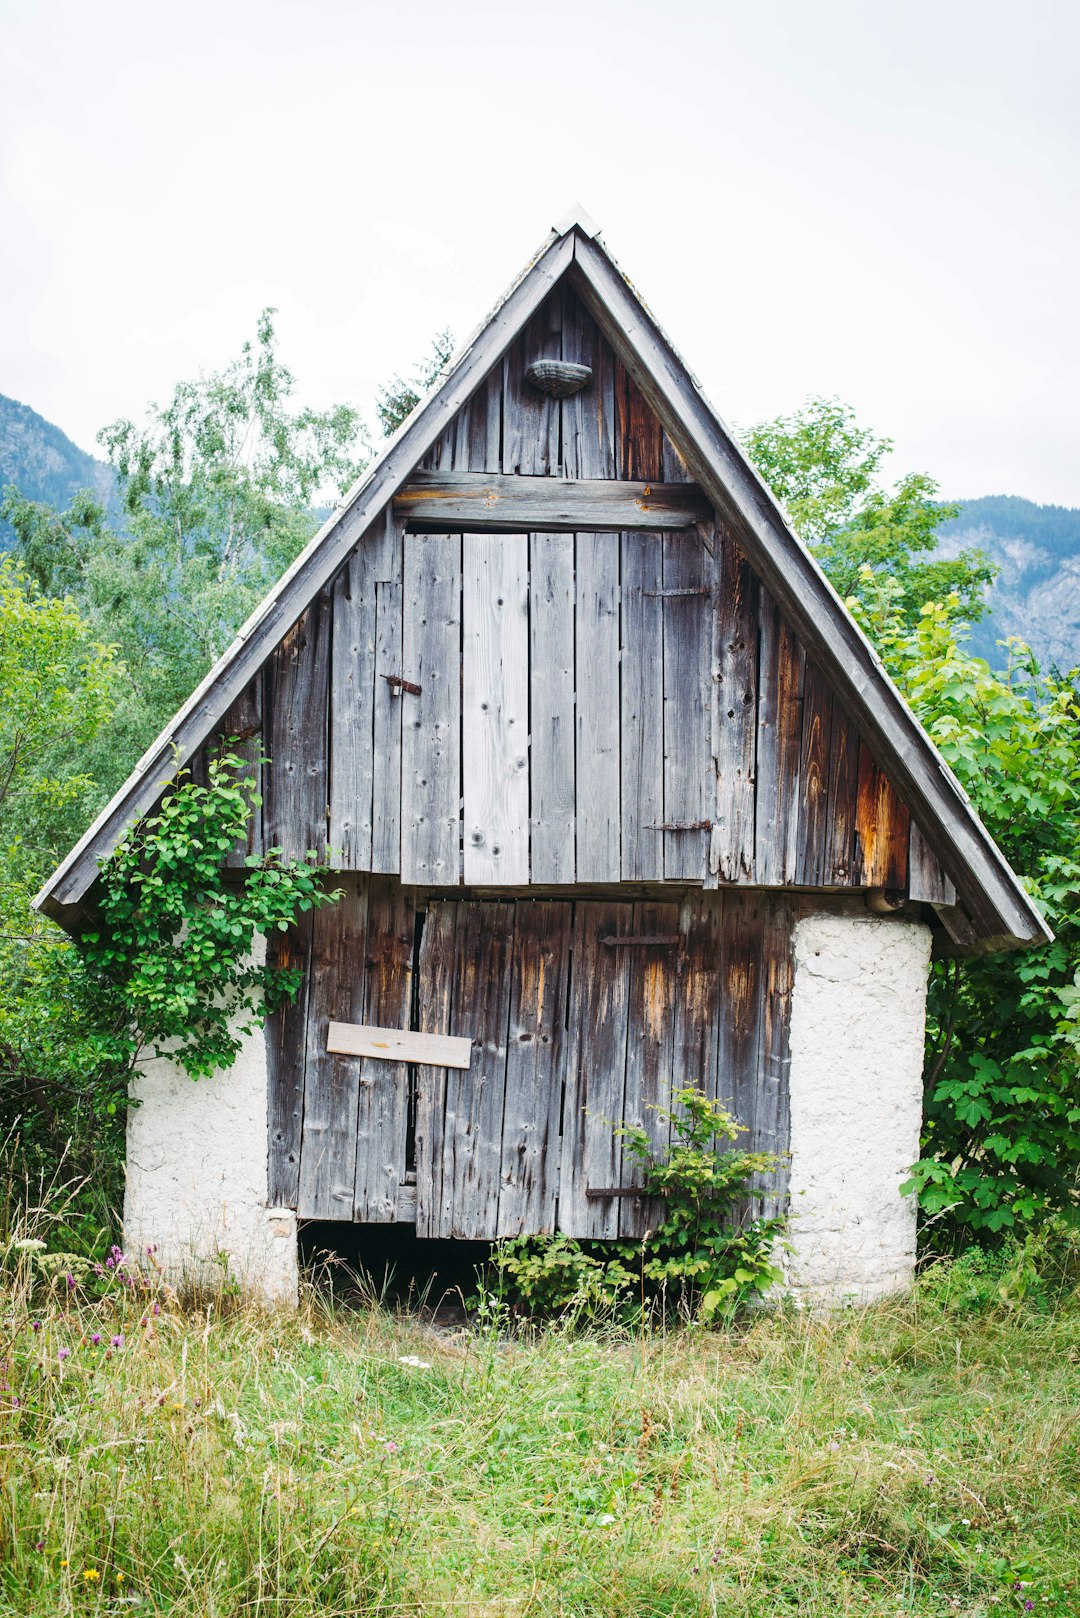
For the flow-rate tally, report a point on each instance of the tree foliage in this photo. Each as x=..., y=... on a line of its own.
x=1002, y=1139
x=217, y=493
x=397, y=399
x=174, y=948
x=826, y=471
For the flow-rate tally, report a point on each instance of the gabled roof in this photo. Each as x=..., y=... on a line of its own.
x=1001, y=913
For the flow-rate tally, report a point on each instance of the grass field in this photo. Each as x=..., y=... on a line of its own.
x=920, y=1457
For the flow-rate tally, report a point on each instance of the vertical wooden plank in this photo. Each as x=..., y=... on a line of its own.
x=882, y=824
x=698, y=993
x=534, y=1069
x=738, y=1007
x=810, y=861
x=642, y=699
x=495, y=713
x=484, y=452
x=588, y=417
x=927, y=881
x=383, y=1090
x=653, y=971
x=689, y=772
x=596, y=638
x=469, y=1144
x=286, y=1043
x=772, y=1120
x=434, y=999
x=779, y=734
x=389, y=711
x=331, y=1083
x=431, y=722
x=839, y=868
x=352, y=699
x=551, y=706
x=734, y=713
x=297, y=701
x=530, y=440
x=595, y=1070
x=639, y=437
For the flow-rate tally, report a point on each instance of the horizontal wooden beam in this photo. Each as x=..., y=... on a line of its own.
x=486, y=501
x=398, y=1045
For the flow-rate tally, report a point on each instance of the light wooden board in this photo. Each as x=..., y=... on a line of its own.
x=734, y=713
x=286, y=1039
x=398, y=1045
x=689, y=772
x=391, y=708
x=642, y=699
x=495, y=712
x=431, y=722
x=551, y=698
x=352, y=699
x=597, y=750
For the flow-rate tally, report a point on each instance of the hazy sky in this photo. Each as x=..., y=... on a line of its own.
x=849, y=197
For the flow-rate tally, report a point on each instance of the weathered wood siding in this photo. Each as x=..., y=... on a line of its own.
x=559, y=708
x=582, y=1013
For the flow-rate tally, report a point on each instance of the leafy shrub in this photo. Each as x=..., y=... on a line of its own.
x=1001, y=1144
x=702, y=1254
x=174, y=951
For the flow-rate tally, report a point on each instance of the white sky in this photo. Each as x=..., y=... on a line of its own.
x=854, y=197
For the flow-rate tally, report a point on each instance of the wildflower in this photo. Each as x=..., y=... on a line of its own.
x=70, y=1279
x=833, y=1444
x=15, y=1402
x=36, y=1325
x=29, y=1244
x=966, y=1521
x=95, y=1338
x=390, y=1447
x=412, y=1359
x=39, y=1545
x=144, y=1321
x=63, y=1353
x=1029, y=1606
x=120, y=1577
x=605, y=1519
x=156, y=1309
x=90, y=1574
x=118, y=1340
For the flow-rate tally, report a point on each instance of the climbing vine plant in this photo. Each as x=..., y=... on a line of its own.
x=172, y=958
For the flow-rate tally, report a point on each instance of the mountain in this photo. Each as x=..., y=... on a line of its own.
x=1037, y=593
x=1037, y=548
x=42, y=461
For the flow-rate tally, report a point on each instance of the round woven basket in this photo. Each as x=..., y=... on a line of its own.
x=558, y=378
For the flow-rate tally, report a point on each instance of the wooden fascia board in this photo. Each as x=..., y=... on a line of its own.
x=300, y=584
x=957, y=836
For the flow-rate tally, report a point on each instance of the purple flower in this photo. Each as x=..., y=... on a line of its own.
x=14, y=1402
x=1029, y=1606
x=63, y=1353
x=36, y=1325
x=95, y=1338
x=39, y=1545
x=118, y=1340
x=70, y=1279
x=156, y=1309
x=109, y=1263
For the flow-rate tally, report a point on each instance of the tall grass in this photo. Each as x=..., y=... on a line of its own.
x=920, y=1457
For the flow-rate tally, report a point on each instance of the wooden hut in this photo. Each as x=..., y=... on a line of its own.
x=621, y=799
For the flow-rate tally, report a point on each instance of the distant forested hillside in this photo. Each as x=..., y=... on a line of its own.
x=1037, y=594
x=42, y=461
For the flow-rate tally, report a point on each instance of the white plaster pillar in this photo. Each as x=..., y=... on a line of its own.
x=857, y=1023
x=196, y=1178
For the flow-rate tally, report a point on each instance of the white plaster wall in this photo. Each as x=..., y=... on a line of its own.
x=197, y=1176
x=857, y=1022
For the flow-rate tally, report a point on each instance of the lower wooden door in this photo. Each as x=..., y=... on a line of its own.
x=574, y=1013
